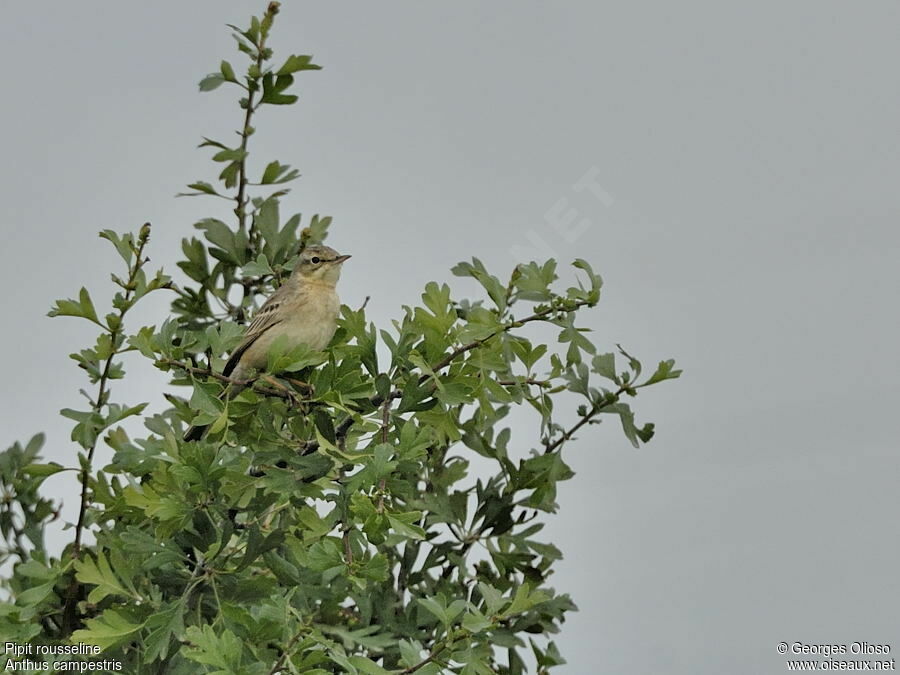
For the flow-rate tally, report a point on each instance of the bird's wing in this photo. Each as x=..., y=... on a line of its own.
x=267, y=317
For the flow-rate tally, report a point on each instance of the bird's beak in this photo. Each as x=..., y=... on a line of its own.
x=340, y=259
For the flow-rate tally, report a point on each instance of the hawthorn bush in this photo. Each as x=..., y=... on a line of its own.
x=329, y=522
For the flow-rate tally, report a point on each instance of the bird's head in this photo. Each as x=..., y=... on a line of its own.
x=319, y=263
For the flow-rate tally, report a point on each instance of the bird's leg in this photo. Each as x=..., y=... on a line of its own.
x=290, y=393
x=300, y=384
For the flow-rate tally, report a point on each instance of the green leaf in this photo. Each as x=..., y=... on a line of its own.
x=109, y=629
x=273, y=88
x=163, y=627
x=43, y=470
x=605, y=365
x=220, y=648
x=227, y=71
x=402, y=524
x=209, y=142
x=376, y=568
x=201, y=187
x=316, y=231
x=266, y=222
x=529, y=357
x=230, y=173
x=368, y=666
x=259, y=267
x=196, y=265
x=89, y=424
x=533, y=281
x=205, y=400
x=143, y=342
x=664, y=371
x=124, y=244
x=229, y=242
x=83, y=307
x=633, y=363
x=257, y=544
x=524, y=600
x=211, y=81
x=595, y=279
x=282, y=358
x=230, y=155
x=35, y=595
x=493, y=599
x=117, y=412
x=297, y=62
x=220, y=423
x=475, y=622
x=325, y=555
x=102, y=576
x=278, y=173
x=623, y=410
x=411, y=652
x=476, y=269
x=549, y=658
x=577, y=342
x=438, y=609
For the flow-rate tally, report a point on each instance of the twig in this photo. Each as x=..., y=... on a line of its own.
x=205, y=372
x=287, y=648
x=424, y=662
x=348, y=551
x=510, y=286
x=528, y=380
x=385, y=422
x=239, y=199
x=278, y=390
x=585, y=419
x=447, y=360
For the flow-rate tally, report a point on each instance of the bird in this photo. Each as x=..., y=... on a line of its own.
x=304, y=309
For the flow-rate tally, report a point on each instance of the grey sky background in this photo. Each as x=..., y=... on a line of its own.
x=751, y=159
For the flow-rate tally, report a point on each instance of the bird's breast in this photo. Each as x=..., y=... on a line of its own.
x=314, y=320
x=309, y=317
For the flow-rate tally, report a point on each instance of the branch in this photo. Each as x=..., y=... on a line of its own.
x=287, y=648
x=424, y=662
x=102, y=390
x=240, y=198
x=595, y=410
x=253, y=383
x=543, y=384
x=537, y=316
x=71, y=602
x=385, y=422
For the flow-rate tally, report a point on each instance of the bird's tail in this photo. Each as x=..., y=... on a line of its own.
x=195, y=432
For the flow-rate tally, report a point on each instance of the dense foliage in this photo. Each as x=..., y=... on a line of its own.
x=330, y=521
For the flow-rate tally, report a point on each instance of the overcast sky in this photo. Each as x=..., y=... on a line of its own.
x=744, y=161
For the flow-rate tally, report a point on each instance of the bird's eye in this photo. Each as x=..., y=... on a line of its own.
x=315, y=260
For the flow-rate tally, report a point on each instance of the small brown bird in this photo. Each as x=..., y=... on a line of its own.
x=305, y=309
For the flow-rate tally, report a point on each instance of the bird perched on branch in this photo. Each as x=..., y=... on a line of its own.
x=305, y=309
